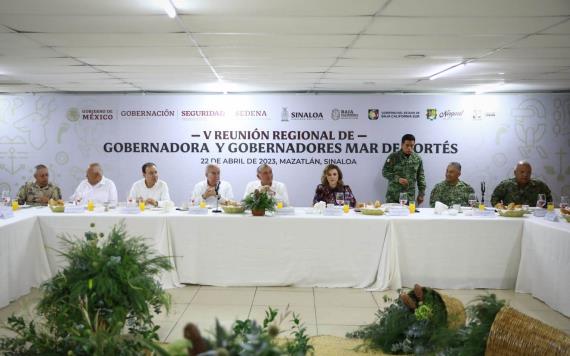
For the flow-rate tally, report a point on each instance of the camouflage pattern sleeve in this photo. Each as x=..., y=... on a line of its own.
x=498, y=194
x=421, y=178
x=22, y=194
x=433, y=196
x=389, y=171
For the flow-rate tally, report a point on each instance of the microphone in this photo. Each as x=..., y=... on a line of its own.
x=217, y=189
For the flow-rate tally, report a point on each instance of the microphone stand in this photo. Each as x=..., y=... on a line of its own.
x=217, y=210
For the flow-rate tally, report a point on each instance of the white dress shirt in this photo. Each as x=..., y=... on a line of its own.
x=225, y=192
x=102, y=192
x=278, y=188
x=158, y=192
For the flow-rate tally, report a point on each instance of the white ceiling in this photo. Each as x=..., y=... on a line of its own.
x=284, y=45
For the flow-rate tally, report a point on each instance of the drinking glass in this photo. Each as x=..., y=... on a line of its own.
x=472, y=200
x=5, y=198
x=403, y=198
x=339, y=198
x=541, y=201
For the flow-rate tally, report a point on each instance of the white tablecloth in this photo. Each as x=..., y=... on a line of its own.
x=301, y=250
x=455, y=252
x=23, y=262
x=312, y=250
x=151, y=226
x=545, y=263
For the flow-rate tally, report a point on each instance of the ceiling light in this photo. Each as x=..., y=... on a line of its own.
x=169, y=8
x=448, y=71
x=489, y=88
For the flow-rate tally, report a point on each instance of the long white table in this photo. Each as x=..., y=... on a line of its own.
x=544, y=270
x=456, y=252
x=301, y=250
x=23, y=260
x=312, y=250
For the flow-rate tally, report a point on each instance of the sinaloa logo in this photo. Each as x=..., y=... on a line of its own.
x=431, y=114
x=73, y=114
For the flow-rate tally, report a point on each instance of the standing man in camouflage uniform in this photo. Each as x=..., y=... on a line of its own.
x=521, y=189
x=451, y=190
x=40, y=191
x=404, y=169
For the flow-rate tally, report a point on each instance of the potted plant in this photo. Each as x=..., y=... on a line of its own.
x=259, y=202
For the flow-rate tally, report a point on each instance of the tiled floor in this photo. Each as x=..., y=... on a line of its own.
x=324, y=311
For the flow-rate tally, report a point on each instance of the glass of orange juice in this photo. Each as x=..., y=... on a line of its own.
x=142, y=205
x=412, y=206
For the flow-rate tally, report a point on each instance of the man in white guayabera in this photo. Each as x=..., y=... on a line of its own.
x=150, y=189
x=96, y=187
x=212, y=188
x=265, y=181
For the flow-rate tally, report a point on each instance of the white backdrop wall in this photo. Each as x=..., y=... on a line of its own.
x=487, y=134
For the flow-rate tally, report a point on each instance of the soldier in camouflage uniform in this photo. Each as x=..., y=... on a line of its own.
x=40, y=191
x=522, y=189
x=404, y=169
x=451, y=190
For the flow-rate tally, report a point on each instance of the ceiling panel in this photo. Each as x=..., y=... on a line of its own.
x=278, y=45
x=81, y=7
x=89, y=24
x=459, y=25
x=544, y=41
x=269, y=40
x=275, y=25
x=453, y=8
x=418, y=42
x=280, y=7
x=112, y=39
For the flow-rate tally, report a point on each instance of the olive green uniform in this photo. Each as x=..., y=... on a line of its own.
x=450, y=194
x=399, y=165
x=509, y=191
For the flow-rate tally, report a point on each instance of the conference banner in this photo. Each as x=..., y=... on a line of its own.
x=296, y=134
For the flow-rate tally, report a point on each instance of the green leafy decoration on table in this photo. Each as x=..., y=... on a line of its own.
x=259, y=200
x=109, y=284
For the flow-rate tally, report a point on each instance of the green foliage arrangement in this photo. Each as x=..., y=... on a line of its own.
x=472, y=339
x=109, y=285
x=248, y=338
x=259, y=200
x=408, y=325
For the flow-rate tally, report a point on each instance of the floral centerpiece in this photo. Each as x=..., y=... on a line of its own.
x=260, y=201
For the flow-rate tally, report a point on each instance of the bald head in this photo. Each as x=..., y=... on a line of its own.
x=523, y=170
